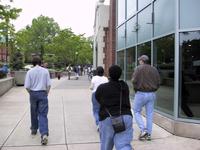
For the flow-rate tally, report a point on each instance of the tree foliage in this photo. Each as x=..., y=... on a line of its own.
x=7, y=14
x=34, y=38
x=17, y=60
x=7, y=30
x=45, y=38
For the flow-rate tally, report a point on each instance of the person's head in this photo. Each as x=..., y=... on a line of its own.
x=115, y=72
x=144, y=59
x=99, y=71
x=36, y=61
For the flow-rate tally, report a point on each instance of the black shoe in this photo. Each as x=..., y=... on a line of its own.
x=33, y=132
x=143, y=135
x=148, y=137
x=44, y=140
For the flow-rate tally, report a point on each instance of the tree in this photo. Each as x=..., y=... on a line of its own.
x=45, y=38
x=36, y=37
x=17, y=60
x=70, y=48
x=6, y=28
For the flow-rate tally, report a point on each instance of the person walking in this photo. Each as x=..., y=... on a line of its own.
x=113, y=98
x=146, y=81
x=69, y=71
x=98, y=79
x=37, y=83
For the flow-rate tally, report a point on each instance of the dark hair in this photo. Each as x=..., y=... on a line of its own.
x=36, y=61
x=115, y=72
x=99, y=71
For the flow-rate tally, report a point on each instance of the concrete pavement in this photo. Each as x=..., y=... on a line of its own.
x=71, y=123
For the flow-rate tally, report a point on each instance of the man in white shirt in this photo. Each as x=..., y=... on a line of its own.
x=98, y=79
x=38, y=84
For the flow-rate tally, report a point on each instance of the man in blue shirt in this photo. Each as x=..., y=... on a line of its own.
x=38, y=84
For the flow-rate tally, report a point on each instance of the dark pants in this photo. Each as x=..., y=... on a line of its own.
x=39, y=110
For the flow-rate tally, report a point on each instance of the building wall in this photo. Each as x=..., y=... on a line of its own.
x=170, y=36
x=3, y=54
x=110, y=38
x=101, y=21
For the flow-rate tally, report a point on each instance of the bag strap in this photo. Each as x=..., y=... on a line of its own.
x=120, y=105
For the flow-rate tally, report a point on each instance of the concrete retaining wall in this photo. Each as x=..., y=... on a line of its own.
x=6, y=84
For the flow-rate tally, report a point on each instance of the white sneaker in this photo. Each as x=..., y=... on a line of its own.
x=44, y=140
x=143, y=135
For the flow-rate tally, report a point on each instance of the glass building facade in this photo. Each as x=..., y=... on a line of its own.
x=170, y=35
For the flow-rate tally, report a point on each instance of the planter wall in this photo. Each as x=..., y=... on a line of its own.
x=6, y=84
x=20, y=77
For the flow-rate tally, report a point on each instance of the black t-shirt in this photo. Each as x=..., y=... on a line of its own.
x=108, y=96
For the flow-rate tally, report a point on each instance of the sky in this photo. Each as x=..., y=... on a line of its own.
x=75, y=14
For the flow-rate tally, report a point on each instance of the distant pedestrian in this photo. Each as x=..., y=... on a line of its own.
x=69, y=71
x=97, y=80
x=76, y=70
x=113, y=98
x=145, y=81
x=38, y=84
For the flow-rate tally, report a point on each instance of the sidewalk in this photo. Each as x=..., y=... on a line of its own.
x=71, y=123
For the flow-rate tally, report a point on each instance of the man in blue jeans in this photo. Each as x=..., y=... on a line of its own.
x=146, y=80
x=38, y=84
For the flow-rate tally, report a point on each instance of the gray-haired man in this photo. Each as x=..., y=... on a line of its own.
x=146, y=80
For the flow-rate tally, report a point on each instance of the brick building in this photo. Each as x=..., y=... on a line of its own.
x=3, y=53
x=110, y=37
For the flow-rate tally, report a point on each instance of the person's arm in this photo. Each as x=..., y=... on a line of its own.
x=48, y=89
x=92, y=83
x=27, y=84
x=48, y=82
x=98, y=94
x=91, y=86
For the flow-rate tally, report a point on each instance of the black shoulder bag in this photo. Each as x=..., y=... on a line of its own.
x=117, y=121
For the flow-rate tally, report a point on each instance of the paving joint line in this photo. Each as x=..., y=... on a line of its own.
x=65, y=130
x=14, y=128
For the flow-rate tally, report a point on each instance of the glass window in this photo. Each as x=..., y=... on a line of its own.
x=131, y=32
x=121, y=37
x=189, y=103
x=144, y=49
x=143, y=3
x=164, y=62
x=130, y=62
x=120, y=61
x=189, y=13
x=164, y=22
x=131, y=7
x=121, y=11
x=130, y=66
x=144, y=25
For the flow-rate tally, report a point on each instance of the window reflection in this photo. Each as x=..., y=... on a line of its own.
x=121, y=37
x=131, y=32
x=131, y=7
x=164, y=61
x=144, y=49
x=120, y=61
x=143, y=3
x=190, y=18
x=144, y=24
x=130, y=62
x=121, y=11
x=164, y=22
x=189, y=104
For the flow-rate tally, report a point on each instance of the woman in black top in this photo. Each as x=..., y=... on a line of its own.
x=108, y=96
